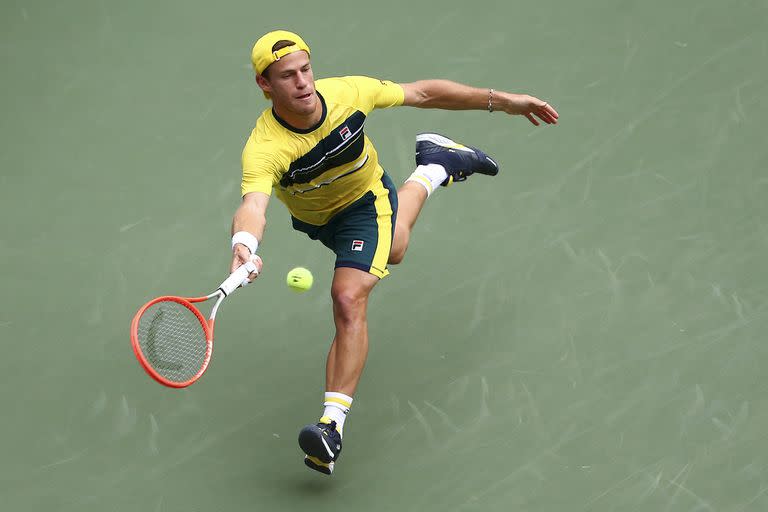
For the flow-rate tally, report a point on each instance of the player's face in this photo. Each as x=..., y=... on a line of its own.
x=292, y=84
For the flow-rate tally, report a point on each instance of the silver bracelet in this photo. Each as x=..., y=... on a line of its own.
x=490, y=100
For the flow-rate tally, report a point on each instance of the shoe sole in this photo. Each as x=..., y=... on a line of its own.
x=318, y=465
x=313, y=443
x=439, y=140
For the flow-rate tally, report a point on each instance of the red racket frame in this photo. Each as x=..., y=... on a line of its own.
x=230, y=284
x=206, y=324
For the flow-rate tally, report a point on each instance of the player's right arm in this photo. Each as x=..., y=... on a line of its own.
x=251, y=218
x=262, y=169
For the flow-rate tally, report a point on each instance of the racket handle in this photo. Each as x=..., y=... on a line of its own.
x=237, y=277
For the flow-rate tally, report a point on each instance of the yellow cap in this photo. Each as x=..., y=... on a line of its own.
x=262, y=54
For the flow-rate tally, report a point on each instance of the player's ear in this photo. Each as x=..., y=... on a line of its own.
x=262, y=82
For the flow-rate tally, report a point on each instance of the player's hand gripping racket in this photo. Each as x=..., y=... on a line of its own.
x=172, y=339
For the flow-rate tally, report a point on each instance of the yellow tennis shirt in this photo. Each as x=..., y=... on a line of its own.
x=318, y=171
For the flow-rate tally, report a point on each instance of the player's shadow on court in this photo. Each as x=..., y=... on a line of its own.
x=309, y=487
x=314, y=486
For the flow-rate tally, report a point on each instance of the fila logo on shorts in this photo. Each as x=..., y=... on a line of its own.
x=345, y=133
x=357, y=245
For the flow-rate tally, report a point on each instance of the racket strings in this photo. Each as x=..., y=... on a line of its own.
x=172, y=340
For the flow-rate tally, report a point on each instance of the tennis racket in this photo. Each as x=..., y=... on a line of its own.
x=172, y=339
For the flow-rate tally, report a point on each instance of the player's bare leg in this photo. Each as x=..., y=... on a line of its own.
x=321, y=442
x=410, y=198
x=346, y=359
x=440, y=161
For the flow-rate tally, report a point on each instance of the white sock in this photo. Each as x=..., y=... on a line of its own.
x=336, y=408
x=429, y=176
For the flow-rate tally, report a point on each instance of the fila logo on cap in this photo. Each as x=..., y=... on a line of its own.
x=345, y=133
x=357, y=245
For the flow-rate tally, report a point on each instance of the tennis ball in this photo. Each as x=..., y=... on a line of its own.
x=299, y=279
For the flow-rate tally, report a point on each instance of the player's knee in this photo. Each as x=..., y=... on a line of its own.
x=396, y=255
x=399, y=246
x=349, y=303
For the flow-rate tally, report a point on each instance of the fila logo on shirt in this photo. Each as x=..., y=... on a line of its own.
x=357, y=245
x=345, y=133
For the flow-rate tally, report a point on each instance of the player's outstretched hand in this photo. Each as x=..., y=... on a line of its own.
x=240, y=256
x=528, y=106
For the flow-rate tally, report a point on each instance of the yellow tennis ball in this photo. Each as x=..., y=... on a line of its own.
x=299, y=279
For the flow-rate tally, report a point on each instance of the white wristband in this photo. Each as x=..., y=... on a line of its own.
x=247, y=239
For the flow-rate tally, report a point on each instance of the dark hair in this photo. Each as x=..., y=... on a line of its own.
x=277, y=46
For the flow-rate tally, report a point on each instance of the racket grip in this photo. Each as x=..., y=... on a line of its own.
x=237, y=277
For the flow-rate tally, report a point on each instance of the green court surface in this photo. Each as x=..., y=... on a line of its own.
x=585, y=332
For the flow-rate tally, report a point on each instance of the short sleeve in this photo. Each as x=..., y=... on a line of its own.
x=378, y=93
x=260, y=170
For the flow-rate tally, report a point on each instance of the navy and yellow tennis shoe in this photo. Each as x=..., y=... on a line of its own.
x=459, y=161
x=321, y=443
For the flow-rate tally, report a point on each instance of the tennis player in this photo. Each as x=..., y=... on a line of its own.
x=310, y=148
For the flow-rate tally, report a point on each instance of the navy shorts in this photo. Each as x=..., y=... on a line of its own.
x=361, y=234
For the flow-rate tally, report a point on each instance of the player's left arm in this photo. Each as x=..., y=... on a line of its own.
x=448, y=95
